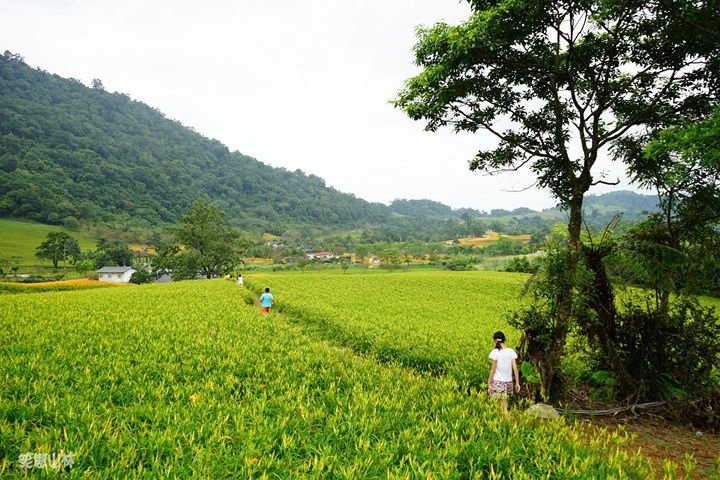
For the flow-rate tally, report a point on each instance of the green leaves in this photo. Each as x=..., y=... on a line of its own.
x=529, y=373
x=209, y=246
x=58, y=246
x=547, y=79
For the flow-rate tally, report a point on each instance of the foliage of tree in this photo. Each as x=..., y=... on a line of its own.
x=111, y=253
x=207, y=245
x=503, y=246
x=669, y=351
x=421, y=208
x=84, y=266
x=681, y=244
x=522, y=265
x=675, y=251
x=459, y=263
x=141, y=276
x=58, y=246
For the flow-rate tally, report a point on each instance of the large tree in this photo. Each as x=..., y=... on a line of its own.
x=208, y=246
x=58, y=246
x=559, y=83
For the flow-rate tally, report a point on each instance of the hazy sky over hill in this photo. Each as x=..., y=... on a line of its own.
x=294, y=84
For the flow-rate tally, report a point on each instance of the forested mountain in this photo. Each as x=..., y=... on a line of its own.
x=431, y=221
x=622, y=200
x=421, y=208
x=69, y=152
x=629, y=203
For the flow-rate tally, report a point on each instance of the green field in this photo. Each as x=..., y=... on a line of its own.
x=439, y=322
x=189, y=380
x=20, y=238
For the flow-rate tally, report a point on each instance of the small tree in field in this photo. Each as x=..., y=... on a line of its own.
x=209, y=246
x=58, y=246
x=84, y=266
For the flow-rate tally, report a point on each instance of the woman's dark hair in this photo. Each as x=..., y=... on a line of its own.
x=499, y=338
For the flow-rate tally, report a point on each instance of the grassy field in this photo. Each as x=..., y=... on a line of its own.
x=491, y=238
x=189, y=380
x=20, y=238
x=438, y=322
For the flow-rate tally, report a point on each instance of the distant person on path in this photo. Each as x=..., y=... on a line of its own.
x=500, y=381
x=240, y=279
x=266, y=301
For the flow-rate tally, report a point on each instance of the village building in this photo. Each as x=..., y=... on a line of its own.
x=320, y=256
x=115, y=274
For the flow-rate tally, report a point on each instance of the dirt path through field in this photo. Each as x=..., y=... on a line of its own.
x=660, y=440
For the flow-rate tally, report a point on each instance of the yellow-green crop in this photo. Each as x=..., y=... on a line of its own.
x=186, y=380
x=440, y=322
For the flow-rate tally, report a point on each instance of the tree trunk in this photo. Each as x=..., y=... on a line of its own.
x=601, y=299
x=563, y=314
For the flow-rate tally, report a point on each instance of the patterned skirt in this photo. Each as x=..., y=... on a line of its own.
x=497, y=388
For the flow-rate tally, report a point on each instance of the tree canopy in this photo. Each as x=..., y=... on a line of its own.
x=558, y=83
x=205, y=244
x=58, y=246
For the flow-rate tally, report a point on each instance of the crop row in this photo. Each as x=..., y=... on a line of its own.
x=181, y=380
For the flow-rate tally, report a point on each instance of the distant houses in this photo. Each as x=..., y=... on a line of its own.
x=320, y=256
x=115, y=274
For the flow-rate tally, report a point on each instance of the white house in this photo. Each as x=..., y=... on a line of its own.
x=320, y=256
x=116, y=274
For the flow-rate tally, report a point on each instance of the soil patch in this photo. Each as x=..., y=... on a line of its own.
x=660, y=440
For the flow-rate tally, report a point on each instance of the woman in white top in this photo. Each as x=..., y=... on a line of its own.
x=500, y=381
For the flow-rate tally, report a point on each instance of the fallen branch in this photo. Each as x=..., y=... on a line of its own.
x=610, y=411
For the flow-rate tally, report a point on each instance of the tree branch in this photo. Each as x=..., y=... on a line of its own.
x=675, y=14
x=487, y=126
x=603, y=182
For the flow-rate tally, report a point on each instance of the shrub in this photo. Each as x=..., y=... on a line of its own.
x=458, y=263
x=141, y=276
x=670, y=353
x=522, y=265
x=603, y=385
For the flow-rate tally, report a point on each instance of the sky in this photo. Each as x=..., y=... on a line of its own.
x=295, y=84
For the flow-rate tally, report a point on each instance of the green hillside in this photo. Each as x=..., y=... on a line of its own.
x=72, y=155
x=19, y=239
x=69, y=153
